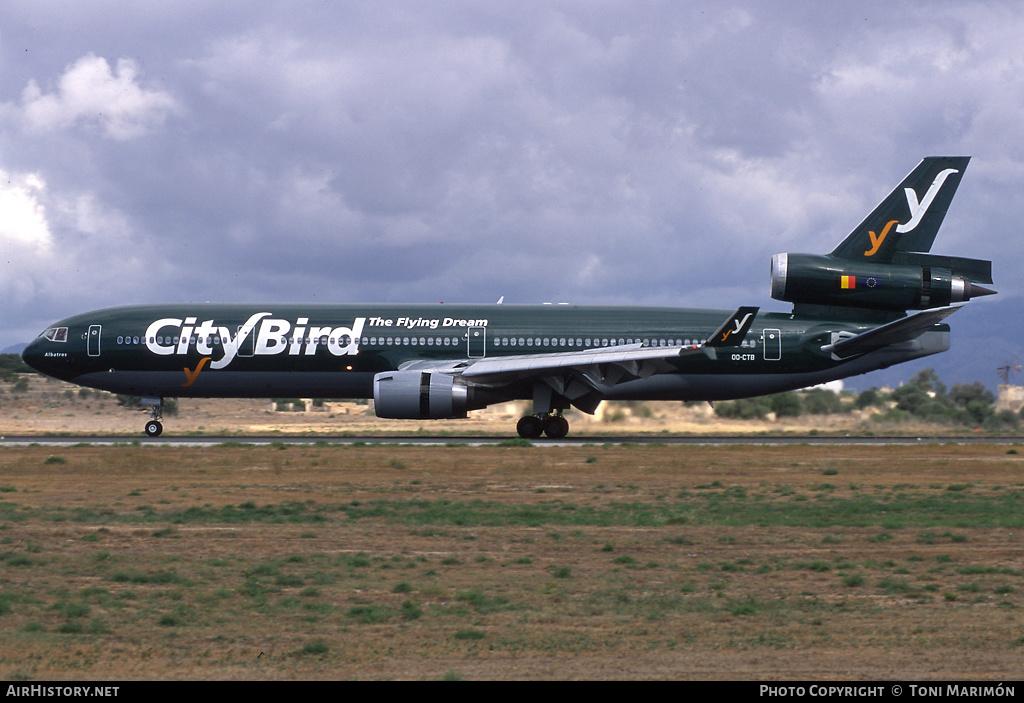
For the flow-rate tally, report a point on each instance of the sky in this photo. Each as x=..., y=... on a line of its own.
x=589, y=152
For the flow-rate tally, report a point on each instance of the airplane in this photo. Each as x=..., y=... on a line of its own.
x=417, y=361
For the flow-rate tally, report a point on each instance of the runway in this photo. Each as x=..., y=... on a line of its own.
x=477, y=441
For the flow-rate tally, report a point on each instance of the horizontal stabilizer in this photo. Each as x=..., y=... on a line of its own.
x=973, y=270
x=902, y=330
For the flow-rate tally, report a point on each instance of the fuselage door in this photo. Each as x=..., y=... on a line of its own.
x=247, y=347
x=92, y=343
x=771, y=343
x=476, y=338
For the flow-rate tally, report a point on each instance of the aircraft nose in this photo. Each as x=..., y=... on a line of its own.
x=49, y=353
x=33, y=355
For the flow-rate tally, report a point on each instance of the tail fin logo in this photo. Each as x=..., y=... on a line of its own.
x=876, y=240
x=919, y=208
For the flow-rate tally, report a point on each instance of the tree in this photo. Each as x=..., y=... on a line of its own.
x=744, y=408
x=786, y=404
x=975, y=402
x=870, y=397
x=924, y=396
x=819, y=401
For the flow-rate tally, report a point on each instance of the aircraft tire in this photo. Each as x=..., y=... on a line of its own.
x=154, y=428
x=530, y=427
x=556, y=426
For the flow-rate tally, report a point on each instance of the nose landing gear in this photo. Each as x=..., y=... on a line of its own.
x=154, y=427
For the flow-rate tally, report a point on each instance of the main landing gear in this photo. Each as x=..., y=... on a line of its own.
x=547, y=415
x=533, y=426
x=154, y=427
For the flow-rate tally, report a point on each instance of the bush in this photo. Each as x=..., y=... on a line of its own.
x=786, y=404
x=744, y=409
x=870, y=398
x=11, y=365
x=925, y=397
x=818, y=401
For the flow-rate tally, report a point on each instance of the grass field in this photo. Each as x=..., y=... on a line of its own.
x=593, y=562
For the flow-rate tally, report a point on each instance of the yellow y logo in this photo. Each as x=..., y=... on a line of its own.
x=876, y=240
x=193, y=375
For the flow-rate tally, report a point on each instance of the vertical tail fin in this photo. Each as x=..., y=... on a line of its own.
x=909, y=217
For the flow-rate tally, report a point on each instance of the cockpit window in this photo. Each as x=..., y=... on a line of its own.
x=56, y=334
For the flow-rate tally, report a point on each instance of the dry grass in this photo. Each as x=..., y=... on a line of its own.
x=600, y=562
x=50, y=407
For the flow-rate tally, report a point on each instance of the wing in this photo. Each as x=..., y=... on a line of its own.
x=902, y=330
x=585, y=376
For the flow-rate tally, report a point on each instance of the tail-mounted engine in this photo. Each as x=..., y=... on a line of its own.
x=913, y=281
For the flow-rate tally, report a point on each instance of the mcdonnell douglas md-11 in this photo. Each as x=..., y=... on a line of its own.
x=850, y=316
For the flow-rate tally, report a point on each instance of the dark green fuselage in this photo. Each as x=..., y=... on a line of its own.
x=334, y=351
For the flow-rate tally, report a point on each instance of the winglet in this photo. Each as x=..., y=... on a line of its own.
x=734, y=330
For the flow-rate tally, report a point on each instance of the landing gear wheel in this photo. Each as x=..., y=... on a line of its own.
x=556, y=426
x=156, y=410
x=529, y=427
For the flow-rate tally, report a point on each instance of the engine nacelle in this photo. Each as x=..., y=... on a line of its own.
x=421, y=395
x=826, y=280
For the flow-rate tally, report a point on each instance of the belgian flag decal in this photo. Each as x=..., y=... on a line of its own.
x=847, y=282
